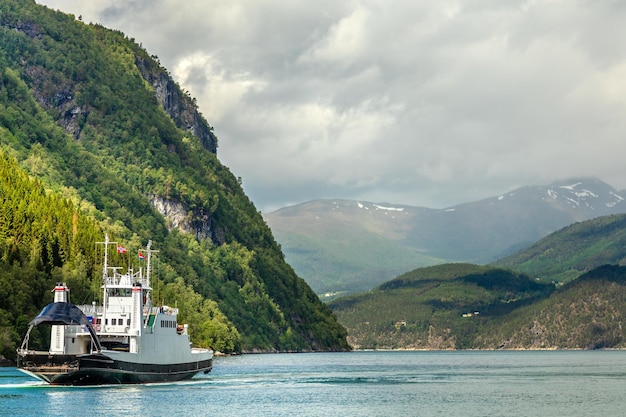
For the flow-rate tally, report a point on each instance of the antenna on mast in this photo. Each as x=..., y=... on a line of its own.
x=105, y=266
x=149, y=253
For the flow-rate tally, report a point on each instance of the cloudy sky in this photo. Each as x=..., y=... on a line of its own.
x=426, y=103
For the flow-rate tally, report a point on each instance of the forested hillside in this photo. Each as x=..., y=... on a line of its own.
x=92, y=122
x=567, y=253
x=462, y=306
x=587, y=313
x=43, y=238
x=439, y=307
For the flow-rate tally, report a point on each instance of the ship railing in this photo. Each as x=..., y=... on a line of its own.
x=160, y=310
x=91, y=310
x=165, y=310
x=97, y=310
x=127, y=279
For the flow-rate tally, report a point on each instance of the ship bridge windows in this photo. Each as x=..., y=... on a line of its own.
x=120, y=292
x=117, y=321
x=168, y=323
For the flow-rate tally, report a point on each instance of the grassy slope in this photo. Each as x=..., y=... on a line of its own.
x=569, y=252
x=338, y=246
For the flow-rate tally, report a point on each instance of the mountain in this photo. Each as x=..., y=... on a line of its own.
x=343, y=246
x=435, y=307
x=461, y=306
x=89, y=119
x=513, y=303
x=573, y=250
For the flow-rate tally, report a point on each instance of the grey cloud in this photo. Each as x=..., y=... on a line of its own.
x=424, y=103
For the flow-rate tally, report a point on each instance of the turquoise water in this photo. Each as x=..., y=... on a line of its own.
x=502, y=383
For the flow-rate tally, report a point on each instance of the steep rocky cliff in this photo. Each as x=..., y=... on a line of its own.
x=177, y=217
x=180, y=107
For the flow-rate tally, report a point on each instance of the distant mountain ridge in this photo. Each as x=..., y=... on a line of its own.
x=566, y=291
x=341, y=246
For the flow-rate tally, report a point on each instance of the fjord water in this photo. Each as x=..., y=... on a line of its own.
x=459, y=383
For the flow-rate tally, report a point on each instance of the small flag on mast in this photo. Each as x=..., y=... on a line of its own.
x=121, y=249
x=141, y=256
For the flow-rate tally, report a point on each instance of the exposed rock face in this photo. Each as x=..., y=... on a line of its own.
x=183, y=111
x=180, y=107
x=30, y=29
x=72, y=120
x=173, y=211
x=177, y=217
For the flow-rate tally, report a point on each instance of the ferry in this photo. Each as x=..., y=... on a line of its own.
x=126, y=340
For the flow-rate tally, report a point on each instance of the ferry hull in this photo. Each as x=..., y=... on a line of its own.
x=99, y=369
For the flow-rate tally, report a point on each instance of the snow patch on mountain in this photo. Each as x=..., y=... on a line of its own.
x=570, y=187
x=379, y=207
x=579, y=194
x=617, y=197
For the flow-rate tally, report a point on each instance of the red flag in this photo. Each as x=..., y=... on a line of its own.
x=141, y=257
x=121, y=249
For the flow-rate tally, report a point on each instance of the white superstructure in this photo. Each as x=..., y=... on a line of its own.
x=124, y=340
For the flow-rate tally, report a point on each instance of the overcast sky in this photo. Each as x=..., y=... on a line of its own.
x=425, y=103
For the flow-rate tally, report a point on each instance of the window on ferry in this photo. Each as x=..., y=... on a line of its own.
x=128, y=322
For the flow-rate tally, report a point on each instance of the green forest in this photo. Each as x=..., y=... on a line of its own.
x=566, y=291
x=87, y=148
x=464, y=306
x=567, y=253
x=439, y=307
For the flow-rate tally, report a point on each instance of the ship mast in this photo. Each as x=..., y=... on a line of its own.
x=148, y=270
x=149, y=252
x=106, y=257
x=105, y=266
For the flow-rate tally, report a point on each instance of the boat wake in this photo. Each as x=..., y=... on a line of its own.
x=23, y=385
x=17, y=382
